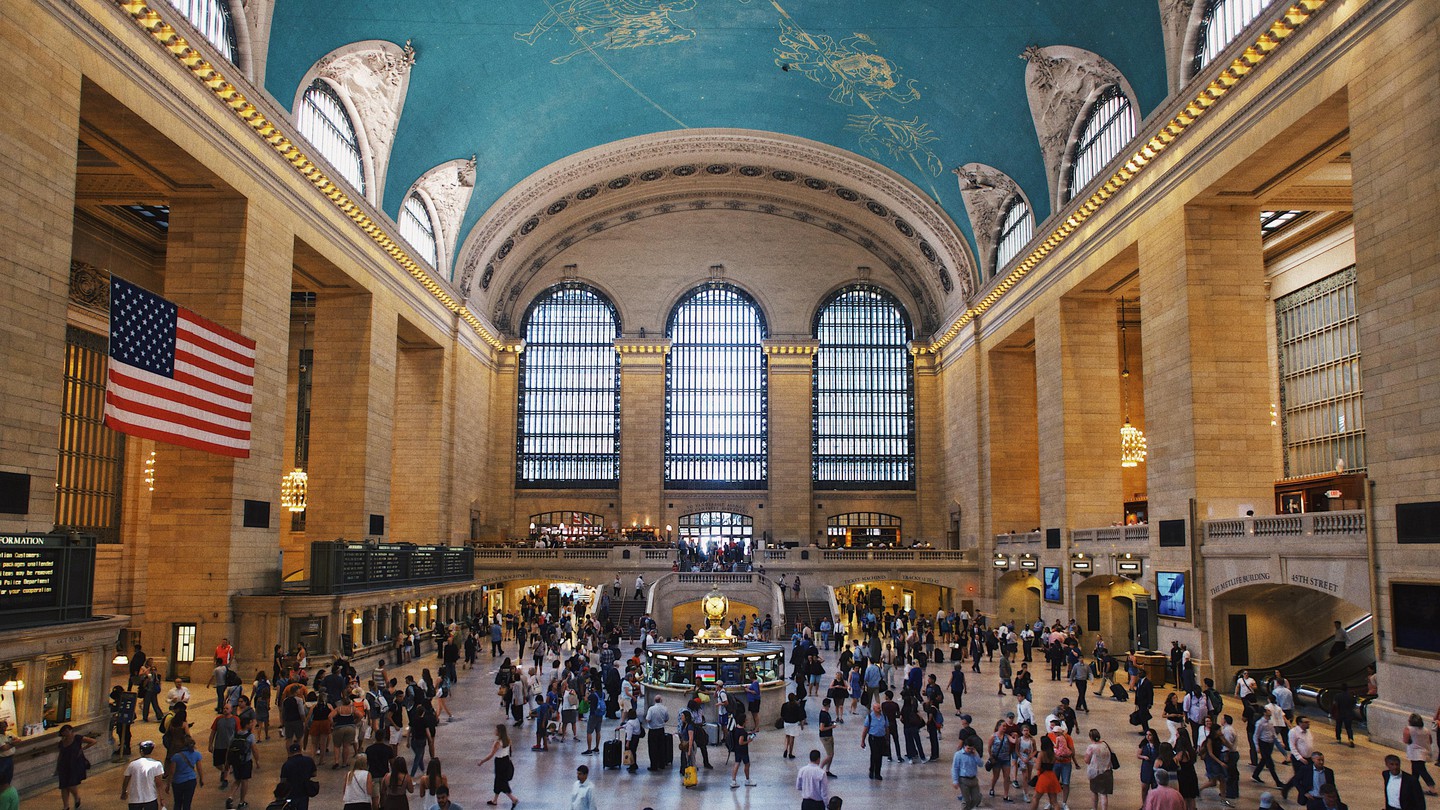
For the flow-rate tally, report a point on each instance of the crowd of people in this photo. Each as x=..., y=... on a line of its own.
x=892, y=673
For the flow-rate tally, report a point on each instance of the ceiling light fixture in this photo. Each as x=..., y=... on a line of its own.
x=1132, y=439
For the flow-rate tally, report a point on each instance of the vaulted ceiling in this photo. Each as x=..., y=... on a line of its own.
x=919, y=87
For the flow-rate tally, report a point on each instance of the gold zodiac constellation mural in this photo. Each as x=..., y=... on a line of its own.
x=853, y=68
x=901, y=139
x=612, y=25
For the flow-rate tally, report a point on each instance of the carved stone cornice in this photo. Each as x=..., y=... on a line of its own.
x=660, y=346
x=89, y=286
x=807, y=348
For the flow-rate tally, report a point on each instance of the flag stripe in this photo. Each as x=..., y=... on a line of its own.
x=176, y=376
x=236, y=341
x=138, y=406
x=164, y=432
x=200, y=363
x=141, y=391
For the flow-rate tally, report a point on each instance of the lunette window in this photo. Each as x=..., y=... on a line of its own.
x=212, y=19
x=323, y=121
x=1016, y=229
x=569, y=410
x=1109, y=126
x=417, y=228
x=864, y=392
x=1223, y=21
x=715, y=391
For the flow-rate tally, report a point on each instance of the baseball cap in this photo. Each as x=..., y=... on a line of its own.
x=1266, y=800
x=148, y=745
x=294, y=748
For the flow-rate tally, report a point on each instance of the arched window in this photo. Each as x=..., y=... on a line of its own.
x=569, y=414
x=323, y=121
x=708, y=528
x=418, y=228
x=211, y=18
x=1016, y=229
x=715, y=381
x=863, y=529
x=864, y=392
x=1223, y=21
x=1109, y=125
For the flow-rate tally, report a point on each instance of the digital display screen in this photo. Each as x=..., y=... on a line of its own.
x=1052, y=583
x=1171, y=600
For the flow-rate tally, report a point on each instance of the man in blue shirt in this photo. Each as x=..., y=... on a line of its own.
x=877, y=739
x=965, y=773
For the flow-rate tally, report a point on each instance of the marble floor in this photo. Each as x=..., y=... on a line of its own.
x=544, y=780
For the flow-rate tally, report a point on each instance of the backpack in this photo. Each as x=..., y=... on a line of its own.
x=165, y=721
x=238, y=751
x=1063, y=748
x=1216, y=702
x=262, y=694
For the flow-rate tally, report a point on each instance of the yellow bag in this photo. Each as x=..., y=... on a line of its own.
x=691, y=777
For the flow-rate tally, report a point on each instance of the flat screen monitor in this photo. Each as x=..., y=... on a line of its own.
x=1052, y=583
x=1172, y=600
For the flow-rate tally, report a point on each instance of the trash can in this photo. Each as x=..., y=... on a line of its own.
x=1154, y=666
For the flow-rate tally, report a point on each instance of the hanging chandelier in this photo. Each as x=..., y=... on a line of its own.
x=1132, y=439
x=293, y=489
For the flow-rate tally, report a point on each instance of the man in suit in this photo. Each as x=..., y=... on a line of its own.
x=1310, y=784
x=1402, y=790
x=1144, y=700
x=1329, y=800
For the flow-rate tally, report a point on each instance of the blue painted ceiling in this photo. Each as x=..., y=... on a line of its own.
x=921, y=87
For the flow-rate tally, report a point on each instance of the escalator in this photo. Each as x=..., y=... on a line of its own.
x=1315, y=673
x=1303, y=666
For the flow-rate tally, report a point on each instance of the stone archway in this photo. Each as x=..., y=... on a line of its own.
x=1105, y=606
x=1017, y=597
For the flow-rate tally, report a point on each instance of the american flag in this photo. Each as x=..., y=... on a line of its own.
x=176, y=377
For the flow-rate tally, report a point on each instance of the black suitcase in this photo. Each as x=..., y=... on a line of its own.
x=939, y=655
x=611, y=753
x=667, y=751
x=1118, y=692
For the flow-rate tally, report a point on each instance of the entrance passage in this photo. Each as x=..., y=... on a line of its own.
x=707, y=529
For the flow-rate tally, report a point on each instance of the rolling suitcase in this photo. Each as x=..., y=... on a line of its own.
x=1118, y=692
x=612, y=753
x=712, y=733
x=667, y=751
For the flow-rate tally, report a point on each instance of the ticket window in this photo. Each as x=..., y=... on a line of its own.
x=59, y=695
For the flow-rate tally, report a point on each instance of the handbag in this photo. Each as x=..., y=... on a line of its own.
x=1114, y=760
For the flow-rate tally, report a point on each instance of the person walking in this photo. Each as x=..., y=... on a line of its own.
x=504, y=766
x=71, y=764
x=812, y=783
x=1417, y=741
x=656, y=740
x=396, y=787
x=740, y=743
x=185, y=774
x=875, y=735
x=359, y=791
x=241, y=758
x=1099, y=769
x=957, y=685
x=582, y=796
x=1080, y=677
x=1402, y=790
x=144, y=780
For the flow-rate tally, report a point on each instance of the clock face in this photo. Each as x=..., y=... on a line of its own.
x=715, y=606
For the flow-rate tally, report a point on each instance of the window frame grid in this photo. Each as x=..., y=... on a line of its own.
x=1222, y=22
x=1101, y=140
x=860, y=379
x=557, y=435
x=1319, y=369
x=330, y=129
x=723, y=458
x=214, y=20
x=418, y=229
x=739, y=526
x=1017, y=228
x=90, y=463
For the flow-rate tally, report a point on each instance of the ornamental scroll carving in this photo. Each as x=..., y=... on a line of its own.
x=1176, y=23
x=89, y=286
x=374, y=77
x=987, y=193
x=447, y=188
x=1059, y=82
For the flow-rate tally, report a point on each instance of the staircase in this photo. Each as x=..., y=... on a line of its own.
x=622, y=612
x=809, y=611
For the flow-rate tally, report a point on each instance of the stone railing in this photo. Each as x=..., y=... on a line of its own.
x=715, y=578
x=1018, y=538
x=659, y=554
x=776, y=554
x=1118, y=535
x=1348, y=525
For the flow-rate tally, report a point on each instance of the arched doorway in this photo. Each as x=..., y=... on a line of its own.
x=1018, y=597
x=1264, y=627
x=1105, y=606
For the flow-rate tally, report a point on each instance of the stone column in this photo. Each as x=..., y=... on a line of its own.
x=1078, y=411
x=642, y=430
x=417, y=462
x=351, y=415
x=1396, y=195
x=1207, y=371
x=791, y=472
x=39, y=170
x=932, y=506
x=1014, y=456
x=229, y=262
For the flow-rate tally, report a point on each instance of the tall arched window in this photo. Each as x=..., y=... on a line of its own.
x=1109, y=125
x=715, y=388
x=864, y=392
x=1223, y=21
x=417, y=228
x=211, y=18
x=1016, y=229
x=569, y=415
x=323, y=121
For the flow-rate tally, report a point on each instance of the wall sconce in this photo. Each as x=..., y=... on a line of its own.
x=1079, y=562
x=1128, y=564
x=357, y=621
x=71, y=673
x=12, y=682
x=1028, y=562
x=120, y=660
x=1000, y=561
x=411, y=610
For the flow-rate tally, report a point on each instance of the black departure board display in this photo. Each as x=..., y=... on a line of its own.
x=340, y=566
x=46, y=578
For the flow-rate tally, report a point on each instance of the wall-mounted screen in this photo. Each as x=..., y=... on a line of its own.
x=1172, y=598
x=1415, y=614
x=1052, y=583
